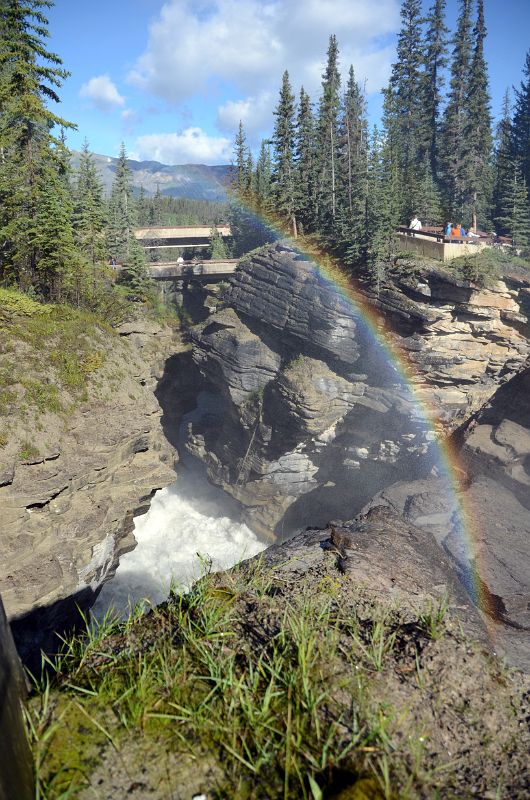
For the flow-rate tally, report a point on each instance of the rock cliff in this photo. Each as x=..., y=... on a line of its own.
x=307, y=418
x=462, y=340
x=492, y=550
x=68, y=504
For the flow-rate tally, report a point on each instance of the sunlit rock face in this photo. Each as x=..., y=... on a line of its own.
x=67, y=513
x=461, y=340
x=306, y=418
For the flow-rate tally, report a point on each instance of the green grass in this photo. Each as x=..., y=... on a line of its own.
x=28, y=451
x=281, y=700
x=488, y=266
x=51, y=353
x=273, y=687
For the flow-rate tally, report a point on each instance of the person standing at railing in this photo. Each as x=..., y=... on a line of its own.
x=455, y=230
x=448, y=228
x=415, y=223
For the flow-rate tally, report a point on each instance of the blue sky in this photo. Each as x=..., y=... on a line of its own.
x=172, y=79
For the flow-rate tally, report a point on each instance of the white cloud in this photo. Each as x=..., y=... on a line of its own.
x=102, y=92
x=190, y=146
x=248, y=44
x=254, y=112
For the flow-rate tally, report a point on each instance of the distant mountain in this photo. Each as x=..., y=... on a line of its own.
x=196, y=181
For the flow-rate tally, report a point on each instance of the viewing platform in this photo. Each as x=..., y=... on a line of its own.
x=433, y=243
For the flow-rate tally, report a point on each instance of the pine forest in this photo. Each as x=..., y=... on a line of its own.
x=323, y=173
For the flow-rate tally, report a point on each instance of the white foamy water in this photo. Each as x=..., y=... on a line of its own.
x=190, y=517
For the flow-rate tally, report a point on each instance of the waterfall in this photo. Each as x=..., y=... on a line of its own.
x=187, y=524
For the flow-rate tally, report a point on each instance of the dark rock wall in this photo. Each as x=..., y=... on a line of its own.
x=306, y=419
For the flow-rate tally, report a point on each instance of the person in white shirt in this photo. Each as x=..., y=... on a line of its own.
x=415, y=224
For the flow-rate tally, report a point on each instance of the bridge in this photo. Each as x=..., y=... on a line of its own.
x=178, y=236
x=204, y=271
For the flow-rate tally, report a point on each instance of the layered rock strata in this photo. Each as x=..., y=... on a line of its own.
x=489, y=543
x=67, y=513
x=461, y=339
x=307, y=418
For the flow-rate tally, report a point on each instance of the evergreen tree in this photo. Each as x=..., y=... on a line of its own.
x=248, y=230
x=143, y=208
x=521, y=123
x=352, y=154
x=503, y=170
x=328, y=123
x=121, y=218
x=477, y=172
x=157, y=207
x=263, y=180
x=519, y=228
x=381, y=207
x=305, y=165
x=435, y=63
x=428, y=201
x=283, y=177
x=454, y=150
x=404, y=108
x=52, y=239
x=29, y=77
x=217, y=247
x=513, y=217
x=89, y=214
x=243, y=175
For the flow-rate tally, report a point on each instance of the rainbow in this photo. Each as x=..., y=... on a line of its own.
x=448, y=464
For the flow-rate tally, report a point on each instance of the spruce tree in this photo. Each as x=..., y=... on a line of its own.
x=521, y=123
x=382, y=208
x=89, y=215
x=248, y=230
x=519, y=228
x=435, y=63
x=283, y=173
x=30, y=164
x=352, y=154
x=121, y=217
x=263, y=179
x=404, y=110
x=217, y=247
x=328, y=122
x=52, y=239
x=243, y=176
x=454, y=152
x=503, y=169
x=477, y=172
x=305, y=165
x=142, y=208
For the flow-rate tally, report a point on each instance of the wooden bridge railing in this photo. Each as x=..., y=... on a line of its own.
x=438, y=235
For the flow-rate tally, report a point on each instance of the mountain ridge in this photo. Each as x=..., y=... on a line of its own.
x=194, y=181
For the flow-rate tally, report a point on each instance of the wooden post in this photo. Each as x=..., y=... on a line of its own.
x=16, y=772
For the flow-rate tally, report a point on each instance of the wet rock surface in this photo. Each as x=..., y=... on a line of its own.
x=307, y=418
x=489, y=540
